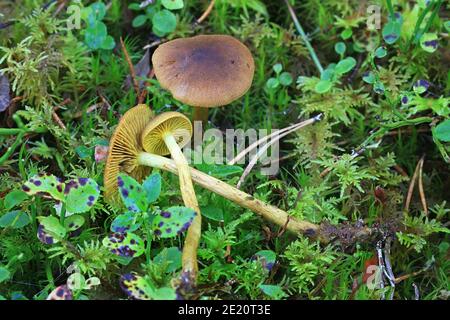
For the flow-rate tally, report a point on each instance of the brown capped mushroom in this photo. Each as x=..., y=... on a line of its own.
x=168, y=133
x=204, y=71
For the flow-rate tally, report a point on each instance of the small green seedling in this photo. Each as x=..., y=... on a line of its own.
x=96, y=35
x=281, y=78
x=333, y=73
x=160, y=16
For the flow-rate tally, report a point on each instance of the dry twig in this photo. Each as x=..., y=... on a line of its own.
x=131, y=67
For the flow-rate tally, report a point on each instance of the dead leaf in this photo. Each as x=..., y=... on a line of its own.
x=142, y=69
x=5, y=98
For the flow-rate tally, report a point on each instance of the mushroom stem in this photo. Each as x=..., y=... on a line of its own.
x=243, y=199
x=200, y=114
x=181, y=167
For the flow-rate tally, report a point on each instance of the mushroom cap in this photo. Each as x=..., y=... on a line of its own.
x=124, y=147
x=173, y=123
x=204, y=71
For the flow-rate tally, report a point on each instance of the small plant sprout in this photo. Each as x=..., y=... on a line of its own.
x=204, y=71
x=168, y=133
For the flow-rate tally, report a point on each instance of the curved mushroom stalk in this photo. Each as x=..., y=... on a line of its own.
x=271, y=213
x=189, y=257
x=165, y=134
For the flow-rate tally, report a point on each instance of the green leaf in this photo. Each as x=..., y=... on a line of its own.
x=378, y=87
x=257, y=6
x=345, y=65
x=212, y=213
x=125, y=222
x=340, y=48
x=267, y=258
x=286, y=79
x=219, y=171
x=133, y=195
x=4, y=274
x=447, y=25
x=74, y=222
x=278, y=68
x=152, y=187
x=274, y=292
x=52, y=226
x=429, y=42
x=81, y=194
x=98, y=11
x=14, y=219
x=381, y=52
x=347, y=33
x=328, y=73
x=323, y=86
x=442, y=131
x=134, y=6
x=272, y=83
x=173, y=221
x=139, y=20
x=14, y=198
x=170, y=258
x=45, y=184
x=164, y=22
x=173, y=4
x=84, y=152
x=391, y=31
x=95, y=35
x=108, y=43
x=369, y=77
x=137, y=287
x=126, y=244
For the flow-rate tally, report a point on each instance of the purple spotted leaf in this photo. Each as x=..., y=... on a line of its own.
x=61, y=293
x=138, y=288
x=44, y=236
x=126, y=222
x=45, y=184
x=125, y=244
x=132, y=194
x=429, y=42
x=50, y=227
x=74, y=222
x=266, y=257
x=392, y=29
x=173, y=221
x=81, y=194
x=421, y=86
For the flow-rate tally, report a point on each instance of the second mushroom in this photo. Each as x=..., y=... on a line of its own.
x=166, y=134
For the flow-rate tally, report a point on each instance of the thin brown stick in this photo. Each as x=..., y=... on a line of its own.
x=131, y=67
x=407, y=276
x=55, y=116
x=411, y=186
x=400, y=170
x=421, y=191
x=206, y=13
